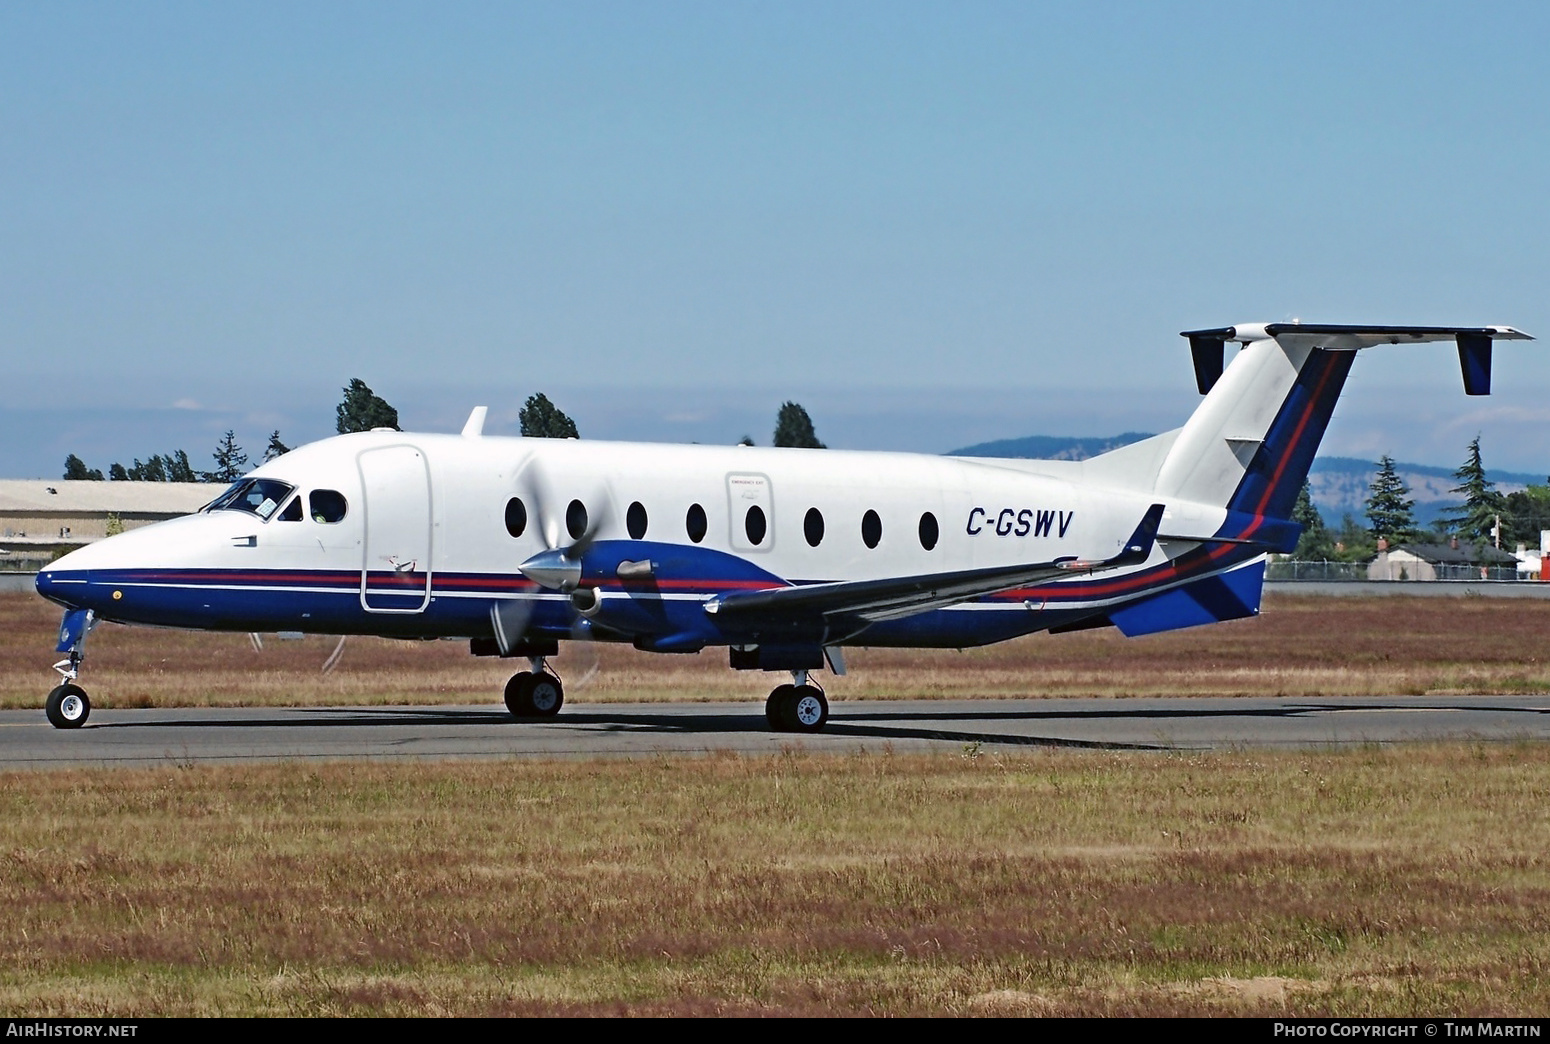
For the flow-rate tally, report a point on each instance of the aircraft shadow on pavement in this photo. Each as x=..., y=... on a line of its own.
x=845, y=722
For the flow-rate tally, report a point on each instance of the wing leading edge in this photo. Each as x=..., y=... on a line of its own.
x=895, y=597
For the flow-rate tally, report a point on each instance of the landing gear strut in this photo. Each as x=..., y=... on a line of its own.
x=67, y=706
x=535, y=694
x=800, y=707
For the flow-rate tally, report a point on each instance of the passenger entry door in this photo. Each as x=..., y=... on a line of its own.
x=396, y=571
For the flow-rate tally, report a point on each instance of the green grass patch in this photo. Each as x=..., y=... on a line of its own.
x=1364, y=882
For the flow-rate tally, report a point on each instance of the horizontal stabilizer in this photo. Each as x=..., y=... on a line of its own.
x=1207, y=347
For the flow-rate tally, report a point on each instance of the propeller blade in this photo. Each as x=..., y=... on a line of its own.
x=333, y=657
x=585, y=644
x=509, y=617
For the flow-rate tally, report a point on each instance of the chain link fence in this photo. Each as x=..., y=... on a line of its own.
x=1291, y=569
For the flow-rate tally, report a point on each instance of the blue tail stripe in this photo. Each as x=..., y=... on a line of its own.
x=1278, y=470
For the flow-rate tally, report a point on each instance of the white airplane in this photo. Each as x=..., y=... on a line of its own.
x=785, y=556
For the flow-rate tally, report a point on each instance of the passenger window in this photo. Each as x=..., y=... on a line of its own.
x=635, y=520
x=929, y=532
x=695, y=523
x=812, y=527
x=871, y=529
x=755, y=525
x=516, y=517
x=576, y=520
x=292, y=512
x=327, y=505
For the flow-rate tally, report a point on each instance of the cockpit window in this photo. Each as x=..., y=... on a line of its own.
x=292, y=512
x=328, y=505
x=256, y=496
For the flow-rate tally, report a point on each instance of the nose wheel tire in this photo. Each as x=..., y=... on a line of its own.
x=797, y=708
x=67, y=707
x=530, y=695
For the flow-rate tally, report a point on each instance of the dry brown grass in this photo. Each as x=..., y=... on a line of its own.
x=1300, y=646
x=1370, y=882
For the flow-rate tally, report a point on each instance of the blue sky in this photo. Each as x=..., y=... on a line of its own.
x=932, y=224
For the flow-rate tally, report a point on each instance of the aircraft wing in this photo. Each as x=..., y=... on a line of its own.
x=894, y=597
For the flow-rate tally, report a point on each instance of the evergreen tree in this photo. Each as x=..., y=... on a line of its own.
x=75, y=468
x=276, y=448
x=1475, y=519
x=793, y=427
x=1390, y=513
x=153, y=470
x=542, y=419
x=174, y=467
x=746, y=440
x=179, y=469
x=1315, y=544
x=362, y=409
x=230, y=461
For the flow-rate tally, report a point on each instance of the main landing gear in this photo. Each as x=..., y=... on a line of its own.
x=67, y=706
x=535, y=694
x=800, y=707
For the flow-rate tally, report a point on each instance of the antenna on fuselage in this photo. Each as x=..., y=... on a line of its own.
x=474, y=427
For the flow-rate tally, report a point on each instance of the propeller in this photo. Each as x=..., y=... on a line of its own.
x=333, y=657
x=257, y=641
x=558, y=567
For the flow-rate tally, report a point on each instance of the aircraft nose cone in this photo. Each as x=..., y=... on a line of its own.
x=63, y=587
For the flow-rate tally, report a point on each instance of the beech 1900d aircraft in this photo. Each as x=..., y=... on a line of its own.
x=784, y=556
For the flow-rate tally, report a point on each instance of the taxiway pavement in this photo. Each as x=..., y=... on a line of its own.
x=235, y=735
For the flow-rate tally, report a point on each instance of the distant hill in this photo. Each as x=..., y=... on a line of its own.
x=1339, y=484
x=1050, y=447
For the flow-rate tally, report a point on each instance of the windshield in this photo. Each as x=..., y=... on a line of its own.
x=255, y=496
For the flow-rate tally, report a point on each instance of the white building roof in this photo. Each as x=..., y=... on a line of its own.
x=61, y=497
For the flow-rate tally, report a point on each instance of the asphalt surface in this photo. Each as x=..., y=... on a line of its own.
x=206, y=735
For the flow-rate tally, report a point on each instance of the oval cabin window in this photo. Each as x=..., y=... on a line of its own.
x=516, y=517
x=635, y=521
x=695, y=523
x=812, y=527
x=576, y=520
x=755, y=525
x=929, y=533
x=871, y=529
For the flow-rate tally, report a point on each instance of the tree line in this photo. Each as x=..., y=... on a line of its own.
x=1486, y=517
x=361, y=409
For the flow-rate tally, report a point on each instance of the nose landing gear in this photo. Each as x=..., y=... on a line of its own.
x=67, y=706
x=801, y=707
x=535, y=694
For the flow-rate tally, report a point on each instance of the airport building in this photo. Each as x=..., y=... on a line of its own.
x=41, y=519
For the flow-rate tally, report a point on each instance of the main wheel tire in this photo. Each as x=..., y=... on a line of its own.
x=518, y=699
x=530, y=695
x=67, y=707
x=545, y=695
x=805, y=709
x=774, y=712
